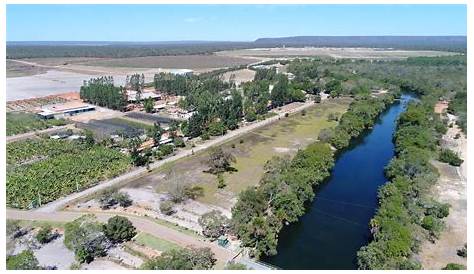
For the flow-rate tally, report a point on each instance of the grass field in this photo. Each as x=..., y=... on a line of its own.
x=154, y=242
x=252, y=151
x=21, y=122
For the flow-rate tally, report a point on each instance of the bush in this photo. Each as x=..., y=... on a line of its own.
x=111, y=197
x=167, y=207
x=179, y=142
x=24, y=260
x=303, y=112
x=214, y=224
x=44, y=235
x=182, y=259
x=193, y=192
x=123, y=199
x=217, y=128
x=333, y=116
x=235, y=266
x=463, y=251
x=119, y=229
x=453, y=266
x=13, y=228
x=450, y=157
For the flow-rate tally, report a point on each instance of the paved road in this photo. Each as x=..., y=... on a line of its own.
x=142, y=224
x=27, y=135
x=136, y=172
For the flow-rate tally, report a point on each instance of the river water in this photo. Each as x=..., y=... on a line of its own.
x=335, y=225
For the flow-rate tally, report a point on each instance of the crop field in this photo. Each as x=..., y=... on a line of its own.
x=252, y=151
x=118, y=126
x=149, y=118
x=41, y=171
x=21, y=122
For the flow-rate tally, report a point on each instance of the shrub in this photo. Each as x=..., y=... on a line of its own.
x=13, y=228
x=182, y=259
x=167, y=207
x=193, y=192
x=220, y=181
x=44, y=235
x=453, y=266
x=235, y=266
x=450, y=157
x=24, y=260
x=326, y=135
x=333, y=116
x=119, y=229
x=179, y=142
x=463, y=251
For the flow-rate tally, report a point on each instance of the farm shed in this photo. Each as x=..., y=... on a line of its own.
x=132, y=95
x=65, y=109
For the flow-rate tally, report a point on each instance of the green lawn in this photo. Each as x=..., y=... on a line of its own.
x=154, y=242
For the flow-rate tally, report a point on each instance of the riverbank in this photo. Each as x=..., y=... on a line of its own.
x=451, y=188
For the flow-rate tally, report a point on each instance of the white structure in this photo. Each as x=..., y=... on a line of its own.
x=182, y=72
x=132, y=95
x=63, y=110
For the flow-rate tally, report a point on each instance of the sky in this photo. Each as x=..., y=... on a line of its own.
x=227, y=22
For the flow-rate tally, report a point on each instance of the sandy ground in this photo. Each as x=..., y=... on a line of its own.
x=242, y=75
x=102, y=264
x=451, y=188
x=362, y=53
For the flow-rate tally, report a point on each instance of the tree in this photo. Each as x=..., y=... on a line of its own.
x=89, y=140
x=219, y=160
x=155, y=133
x=148, y=105
x=86, y=238
x=214, y=224
x=44, y=235
x=182, y=259
x=119, y=229
x=235, y=266
x=111, y=197
x=24, y=260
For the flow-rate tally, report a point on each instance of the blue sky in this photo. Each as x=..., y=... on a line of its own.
x=226, y=22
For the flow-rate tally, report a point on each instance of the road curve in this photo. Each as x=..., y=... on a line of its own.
x=141, y=223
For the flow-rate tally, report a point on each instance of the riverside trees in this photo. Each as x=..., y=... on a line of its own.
x=286, y=185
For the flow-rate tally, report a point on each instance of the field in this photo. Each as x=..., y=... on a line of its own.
x=40, y=171
x=154, y=242
x=21, y=122
x=15, y=69
x=252, y=151
x=362, y=53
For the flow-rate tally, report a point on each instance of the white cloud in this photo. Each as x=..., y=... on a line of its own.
x=192, y=19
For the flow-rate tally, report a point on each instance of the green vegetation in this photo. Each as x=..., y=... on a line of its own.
x=22, y=122
x=450, y=157
x=287, y=184
x=362, y=114
x=406, y=213
x=235, y=266
x=57, y=168
x=167, y=207
x=44, y=235
x=24, y=260
x=86, y=238
x=119, y=229
x=102, y=92
x=453, y=266
x=182, y=259
x=111, y=197
x=154, y=242
x=458, y=106
x=214, y=224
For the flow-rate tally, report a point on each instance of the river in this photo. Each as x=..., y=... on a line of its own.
x=335, y=225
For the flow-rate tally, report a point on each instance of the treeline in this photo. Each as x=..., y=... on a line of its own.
x=102, y=92
x=407, y=215
x=362, y=114
x=458, y=107
x=286, y=186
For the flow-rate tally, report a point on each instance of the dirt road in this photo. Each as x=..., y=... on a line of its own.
x=142, y=224
x=19, y=137
x=62, y=202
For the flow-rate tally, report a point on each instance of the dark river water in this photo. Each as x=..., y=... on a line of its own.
x=335, y=225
